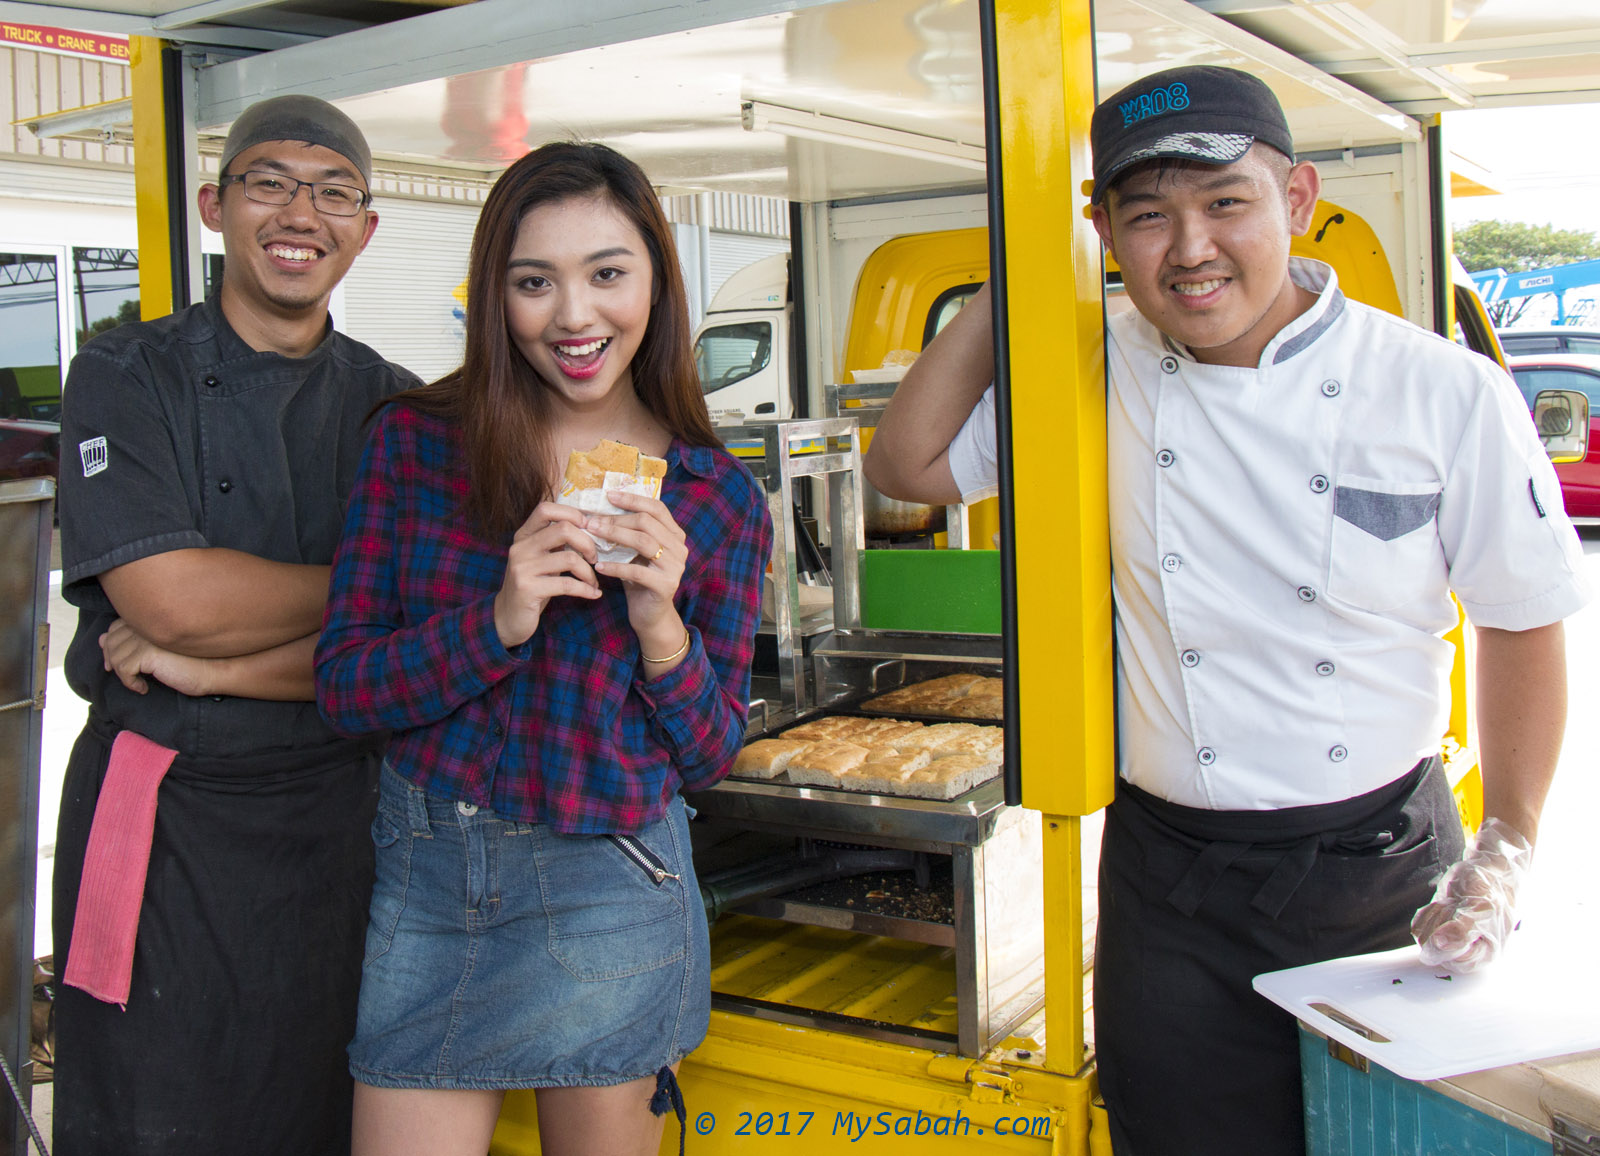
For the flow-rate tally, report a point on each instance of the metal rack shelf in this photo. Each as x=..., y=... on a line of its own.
x=827, y=448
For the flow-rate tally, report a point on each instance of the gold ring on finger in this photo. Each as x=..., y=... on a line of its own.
x=657, y=555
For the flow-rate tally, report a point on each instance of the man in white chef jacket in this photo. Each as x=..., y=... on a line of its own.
x=1297, y=484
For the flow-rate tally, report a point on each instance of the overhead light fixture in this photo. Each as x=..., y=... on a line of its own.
x=758, y=116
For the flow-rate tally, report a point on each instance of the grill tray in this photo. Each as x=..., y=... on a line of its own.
x=856, y=710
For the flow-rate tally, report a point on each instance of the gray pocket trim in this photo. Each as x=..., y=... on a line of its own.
x=1385, y=516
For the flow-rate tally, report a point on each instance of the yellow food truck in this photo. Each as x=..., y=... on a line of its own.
x=895, y=973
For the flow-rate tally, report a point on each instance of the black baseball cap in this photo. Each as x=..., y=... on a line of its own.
x=1198, y=113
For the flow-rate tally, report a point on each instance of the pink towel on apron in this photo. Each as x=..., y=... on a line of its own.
x=100, y=960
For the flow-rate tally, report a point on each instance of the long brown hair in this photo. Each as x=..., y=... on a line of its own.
x=503, y=406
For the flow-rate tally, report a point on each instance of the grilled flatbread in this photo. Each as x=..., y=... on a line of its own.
x=767, y=758
x=823, y=761
x=587, y=469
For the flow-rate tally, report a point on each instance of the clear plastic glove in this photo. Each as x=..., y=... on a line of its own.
x=1474, y=908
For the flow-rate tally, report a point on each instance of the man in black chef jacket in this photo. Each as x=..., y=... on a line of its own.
x=207, y=460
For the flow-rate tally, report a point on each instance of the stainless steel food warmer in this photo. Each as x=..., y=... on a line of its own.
x=993, y=939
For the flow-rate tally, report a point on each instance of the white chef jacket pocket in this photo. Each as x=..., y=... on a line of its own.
x=1385, y=549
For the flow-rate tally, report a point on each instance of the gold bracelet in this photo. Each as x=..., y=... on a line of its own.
x=675, y=655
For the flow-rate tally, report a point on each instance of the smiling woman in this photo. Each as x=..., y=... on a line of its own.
x=578, y=317
x=537, y=691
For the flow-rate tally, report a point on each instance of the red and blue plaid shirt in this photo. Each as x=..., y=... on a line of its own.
x=562, y=729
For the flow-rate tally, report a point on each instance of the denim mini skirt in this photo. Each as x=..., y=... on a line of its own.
x=502, y=954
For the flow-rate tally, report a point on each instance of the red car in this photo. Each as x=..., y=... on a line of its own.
x=1580, y=481
x=29, y=449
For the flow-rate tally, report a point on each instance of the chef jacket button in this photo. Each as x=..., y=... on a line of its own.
x=225, y=485
x=1170, y=563
x=1169, y=365
x=1190, y=658
x=1330, y=388
x=1324, y=668
x=1205, y=756
x=1319, y=484
x=1307, y=594
x=1337, y=753
x=467, y=809
x=1165, y=458
x=211, y=381
x=216, y=698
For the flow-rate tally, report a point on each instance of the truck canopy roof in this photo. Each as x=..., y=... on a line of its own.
x=813, y=101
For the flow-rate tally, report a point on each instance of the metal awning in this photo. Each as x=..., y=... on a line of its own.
x=824, y=100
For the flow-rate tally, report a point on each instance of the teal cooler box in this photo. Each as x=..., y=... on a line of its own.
x=1403, y=1059
x=1528, y=1109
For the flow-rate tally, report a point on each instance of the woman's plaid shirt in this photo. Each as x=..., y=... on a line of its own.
x=561, y=729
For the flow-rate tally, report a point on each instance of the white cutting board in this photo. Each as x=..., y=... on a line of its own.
x=1537, y=1000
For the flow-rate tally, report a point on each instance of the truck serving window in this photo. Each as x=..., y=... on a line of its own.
x=725, y=354
x=946, y=306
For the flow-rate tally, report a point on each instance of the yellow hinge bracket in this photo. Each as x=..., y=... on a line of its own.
x=989, y=1082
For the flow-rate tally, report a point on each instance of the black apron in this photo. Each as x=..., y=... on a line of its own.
x=246, y=967
x=1194, y=904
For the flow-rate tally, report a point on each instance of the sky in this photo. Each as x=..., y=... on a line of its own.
x=1545, y=159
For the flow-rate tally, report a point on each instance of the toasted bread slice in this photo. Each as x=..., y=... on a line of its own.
x=889, y=731
x=827, y=727
x=587, y=469
x=930, y=697
x=950, y=776
x=767, y=758
x=881, y=777
x=618, y=456
x=583, y=473
x=937, y=738
x=981, y=703
x=900, y=763
x=823, y=761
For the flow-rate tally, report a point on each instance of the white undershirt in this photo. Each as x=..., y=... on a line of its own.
x=973, y=464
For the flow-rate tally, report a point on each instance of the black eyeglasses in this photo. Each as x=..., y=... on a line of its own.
x=276, y=189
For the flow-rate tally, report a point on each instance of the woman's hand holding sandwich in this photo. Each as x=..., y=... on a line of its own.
x=651, y=580
x=550, y=556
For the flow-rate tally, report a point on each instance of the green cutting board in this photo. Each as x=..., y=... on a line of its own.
x=950, y=591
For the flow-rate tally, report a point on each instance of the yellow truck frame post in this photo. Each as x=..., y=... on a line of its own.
x=164, y=146
x=1055, y=534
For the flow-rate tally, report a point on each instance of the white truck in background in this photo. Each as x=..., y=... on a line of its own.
x=743, y=348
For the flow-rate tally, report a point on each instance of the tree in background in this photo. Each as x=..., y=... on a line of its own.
x=126, y=312
x=1518, y=248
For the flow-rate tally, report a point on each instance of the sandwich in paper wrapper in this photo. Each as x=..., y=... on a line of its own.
x=591, y=474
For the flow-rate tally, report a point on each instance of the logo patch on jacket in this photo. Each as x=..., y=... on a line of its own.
x=94, y=455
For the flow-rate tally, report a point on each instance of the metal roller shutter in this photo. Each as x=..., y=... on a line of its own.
x=399, y=297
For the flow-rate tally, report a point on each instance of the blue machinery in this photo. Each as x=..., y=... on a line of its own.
x=1496, y=285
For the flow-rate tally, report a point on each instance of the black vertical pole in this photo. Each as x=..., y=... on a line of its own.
x=177, y=166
